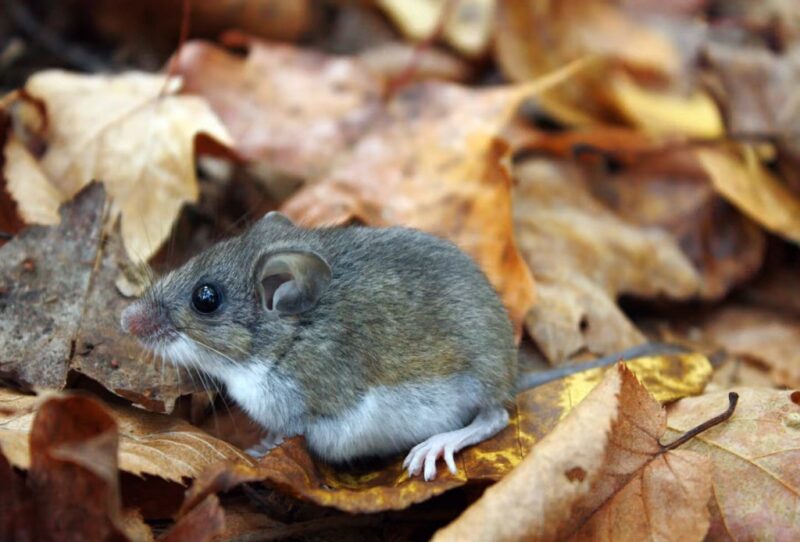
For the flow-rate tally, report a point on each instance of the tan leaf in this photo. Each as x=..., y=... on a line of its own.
x=765, y=336
x=121, y=130
x=467, y=27
x=755, y=455
x=155, y=444
x=602, y=462
x=584, y=256
x=741, y=179
x=37, y=198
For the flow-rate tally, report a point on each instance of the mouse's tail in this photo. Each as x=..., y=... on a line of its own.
x=532, y=380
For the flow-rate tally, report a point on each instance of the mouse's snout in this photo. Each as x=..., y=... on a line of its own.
x=144, y=322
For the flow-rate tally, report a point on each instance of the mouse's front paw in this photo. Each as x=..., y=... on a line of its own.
x=267, y=443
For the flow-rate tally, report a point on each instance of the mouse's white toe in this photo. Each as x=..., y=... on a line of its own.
x=485, y=425
x=267, y=443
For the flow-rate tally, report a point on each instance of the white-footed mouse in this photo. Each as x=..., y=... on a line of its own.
x=367, y=341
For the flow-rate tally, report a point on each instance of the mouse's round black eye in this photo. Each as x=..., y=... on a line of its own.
x=206, y=298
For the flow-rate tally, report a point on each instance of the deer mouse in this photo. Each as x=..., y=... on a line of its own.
x=367, y=341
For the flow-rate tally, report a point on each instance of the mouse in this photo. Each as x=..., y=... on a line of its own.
x=367, y=341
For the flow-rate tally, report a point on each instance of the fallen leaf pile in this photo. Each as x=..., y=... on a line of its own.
x=622, y=171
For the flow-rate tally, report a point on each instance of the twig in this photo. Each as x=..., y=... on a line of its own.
x=733, y=398
x=74, y=55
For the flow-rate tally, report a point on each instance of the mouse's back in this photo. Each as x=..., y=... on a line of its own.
x=402, y=306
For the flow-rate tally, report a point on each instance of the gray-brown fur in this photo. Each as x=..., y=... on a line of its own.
x=401, y=306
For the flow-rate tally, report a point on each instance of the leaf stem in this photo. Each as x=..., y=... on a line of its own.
x=733, y=399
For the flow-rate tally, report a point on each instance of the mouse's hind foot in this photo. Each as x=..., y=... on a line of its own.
x=486, y=424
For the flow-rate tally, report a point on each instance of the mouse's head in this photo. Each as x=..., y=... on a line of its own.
x=229, y=303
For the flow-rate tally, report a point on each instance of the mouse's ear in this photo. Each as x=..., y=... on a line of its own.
x=273, y=218
x=291, y=281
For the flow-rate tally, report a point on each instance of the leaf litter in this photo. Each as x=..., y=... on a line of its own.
x=632, y=195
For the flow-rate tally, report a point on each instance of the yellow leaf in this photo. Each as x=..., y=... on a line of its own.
x=745, y=182
x=119, y=129
x=695, y=115
x=468, y=27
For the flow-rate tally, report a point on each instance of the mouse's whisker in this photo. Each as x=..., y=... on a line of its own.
x=213, y=350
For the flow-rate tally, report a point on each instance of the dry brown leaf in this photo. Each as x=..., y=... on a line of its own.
x=583, y=256
x=122, y=130
x=202, y=523
x=372, y=487
x=61, y=310
x=755, y=455
x=436, y=152
x=602, y=463
x=151, y=27
x=72, y=487
x=45, y=274
x=759, y=88
x=765, y=336
x=744, y=181
x=534, y=38
x=154, y=444
x=669, y=190
x=263, y=100
x=467, y=27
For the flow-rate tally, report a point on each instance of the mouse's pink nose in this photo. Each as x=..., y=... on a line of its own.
x=143, y=323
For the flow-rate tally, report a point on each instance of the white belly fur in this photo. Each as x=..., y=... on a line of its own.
x=387, y=420
x=394, y=418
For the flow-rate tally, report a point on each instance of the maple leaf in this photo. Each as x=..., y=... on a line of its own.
x=121, y=130
x=755, y=457
x=597, y=472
